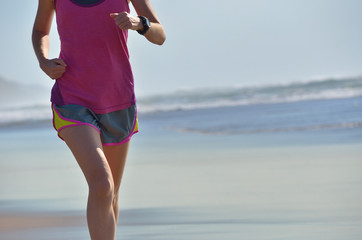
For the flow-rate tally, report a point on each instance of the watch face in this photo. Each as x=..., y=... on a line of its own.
x=87, y=3
x=148, y=22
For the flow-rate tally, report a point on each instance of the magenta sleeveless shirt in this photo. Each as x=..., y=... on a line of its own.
x=98, y=73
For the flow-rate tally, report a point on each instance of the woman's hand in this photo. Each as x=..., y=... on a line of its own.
x=126, y=21
x=54, y=68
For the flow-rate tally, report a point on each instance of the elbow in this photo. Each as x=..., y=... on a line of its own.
x=161, y=36
x=38, y=33
x=161, y=40
x=158, y=41
x=157, y=35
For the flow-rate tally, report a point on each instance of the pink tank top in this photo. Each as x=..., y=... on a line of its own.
x=98, y=73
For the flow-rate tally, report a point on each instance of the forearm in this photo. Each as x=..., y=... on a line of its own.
x=156, y=34
x=41, y=45
x=54, y=68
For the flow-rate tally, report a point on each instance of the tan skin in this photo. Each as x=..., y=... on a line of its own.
x=102, y=166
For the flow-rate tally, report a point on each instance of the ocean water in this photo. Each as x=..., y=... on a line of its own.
x=262, y=162
x=303, y=113
x=267, y=108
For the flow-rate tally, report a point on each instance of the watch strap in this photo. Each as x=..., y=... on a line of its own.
x=146, y=25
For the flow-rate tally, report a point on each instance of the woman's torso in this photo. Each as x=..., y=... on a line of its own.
x=98, y=73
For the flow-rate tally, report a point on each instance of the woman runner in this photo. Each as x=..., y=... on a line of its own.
x=93, y=100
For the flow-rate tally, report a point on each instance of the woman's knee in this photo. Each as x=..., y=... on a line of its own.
x=102, y=188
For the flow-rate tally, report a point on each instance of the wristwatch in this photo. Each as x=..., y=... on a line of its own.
x=146, y=25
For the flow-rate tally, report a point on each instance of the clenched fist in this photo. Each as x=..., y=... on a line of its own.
x=126, y=21
x=54, y=68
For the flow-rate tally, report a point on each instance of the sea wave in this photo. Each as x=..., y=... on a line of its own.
x=25, y=114
x=220, y=131
x=331, y=88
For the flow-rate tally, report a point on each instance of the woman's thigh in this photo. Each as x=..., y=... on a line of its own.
x=85, y=143
x=116, y=157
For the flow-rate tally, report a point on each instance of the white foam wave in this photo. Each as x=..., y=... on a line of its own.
x=229, y=98
x=23, y=114
x=215, y=131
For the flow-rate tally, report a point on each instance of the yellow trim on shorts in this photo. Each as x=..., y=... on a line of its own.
x=136, y=127
x=59, y=122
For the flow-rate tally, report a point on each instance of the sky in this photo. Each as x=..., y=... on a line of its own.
x=214, y=44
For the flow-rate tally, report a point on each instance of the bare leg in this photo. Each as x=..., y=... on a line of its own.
x=85, y=144
x=116, y=157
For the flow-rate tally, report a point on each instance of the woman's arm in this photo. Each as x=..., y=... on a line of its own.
x=54, y=68
x=155, y=34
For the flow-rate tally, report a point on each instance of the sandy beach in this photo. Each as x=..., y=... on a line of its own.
x=309, y=191
x=13, y=222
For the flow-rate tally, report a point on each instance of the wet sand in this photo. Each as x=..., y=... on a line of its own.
x=19, y=221
x=188, y=186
